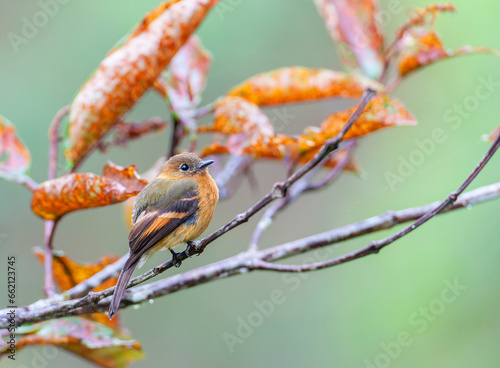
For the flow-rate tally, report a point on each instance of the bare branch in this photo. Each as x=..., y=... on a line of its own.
x=303, y=185
x=279, y=190
x=49, y=286
x=54, y=140
x=376, y=246
x=239, y=264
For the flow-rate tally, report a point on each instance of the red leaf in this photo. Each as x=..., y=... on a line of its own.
x=128, y=71
x=71, y=192
x=295, y=84
x=354, y=28
x=15, y=159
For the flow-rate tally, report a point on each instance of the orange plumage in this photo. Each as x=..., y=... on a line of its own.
x=176, y=207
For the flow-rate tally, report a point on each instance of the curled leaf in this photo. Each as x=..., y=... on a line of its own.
x=381, y=112
x=294, y=84
x=235, y=115
x=71, y=192
x=128, y=71
x=15, y=159
x=353, y=26
x=421, y=47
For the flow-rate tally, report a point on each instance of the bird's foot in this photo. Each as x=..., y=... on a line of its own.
x=175, y=258
x=189, y=247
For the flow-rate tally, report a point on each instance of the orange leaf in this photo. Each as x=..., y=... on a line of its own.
x=128, y=71
x=15, y=158
x=353, y=26
x=188, y=73
x=71, y=192
x=381, y=112
x=421, y=47
x=215, y=148
x=101, y=345
x=275, y=146
x=295, y=84
x=235, y=115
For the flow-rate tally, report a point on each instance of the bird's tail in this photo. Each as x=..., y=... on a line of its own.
x=122, y=283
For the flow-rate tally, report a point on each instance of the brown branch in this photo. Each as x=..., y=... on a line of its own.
x=239, y=264
x=279, y=189
x=54, y=140
x=49, y=286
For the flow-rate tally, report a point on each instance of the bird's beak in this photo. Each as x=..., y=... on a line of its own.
x=203, y=164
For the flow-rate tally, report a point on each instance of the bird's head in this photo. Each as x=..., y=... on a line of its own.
x=185, y=165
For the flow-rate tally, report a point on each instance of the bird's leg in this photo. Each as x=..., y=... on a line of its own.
x=175, y=258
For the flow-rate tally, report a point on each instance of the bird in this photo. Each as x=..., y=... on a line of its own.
x=175, y=207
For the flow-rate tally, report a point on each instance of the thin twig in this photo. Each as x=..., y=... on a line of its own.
x=54, y=140
x=177, y=132
x=301, y=186
x=29, y=183
x=49, y=287
x=239, y=264
x=204, y=110
x=376, y=246
x=279, y=190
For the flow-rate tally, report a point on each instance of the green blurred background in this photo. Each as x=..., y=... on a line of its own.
x=339, y=317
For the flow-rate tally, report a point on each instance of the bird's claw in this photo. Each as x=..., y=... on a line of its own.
x=175, y=259
x=190, y=246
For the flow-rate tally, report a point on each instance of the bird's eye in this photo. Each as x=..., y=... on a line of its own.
x=184, y=167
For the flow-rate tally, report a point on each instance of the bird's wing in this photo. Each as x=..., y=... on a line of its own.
x=154, y=224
